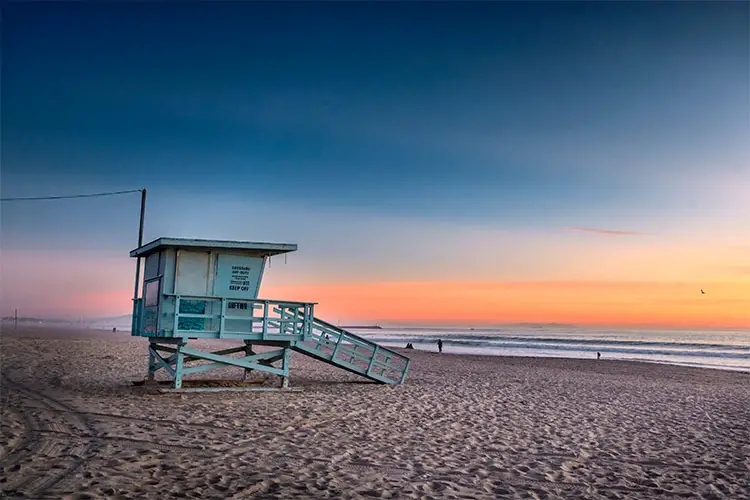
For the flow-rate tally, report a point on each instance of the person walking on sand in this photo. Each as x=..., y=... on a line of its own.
x=598, y=355
x=440, y=345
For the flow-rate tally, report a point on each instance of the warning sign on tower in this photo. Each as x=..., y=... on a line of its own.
x=237, y=276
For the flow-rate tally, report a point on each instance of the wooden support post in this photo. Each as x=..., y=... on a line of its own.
x=176, y=325
x=222, y=321
x=248, y=352
x=338, y=346
x=406, y=369
x=309, y=317
x=179, y=362
x=152, y=366
x=372, y=360
x=285, y=367
x=265, y=319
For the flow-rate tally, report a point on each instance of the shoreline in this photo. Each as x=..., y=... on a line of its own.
x=602, y=360
x=72, y=333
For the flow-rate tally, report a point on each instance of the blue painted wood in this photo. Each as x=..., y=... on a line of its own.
x=250, y=247
x=310, y=351
x=372, y=361
x=406, y=369
x=152, y=364
x=176, y=323
x=296, y=326
x=248, y=348
x=182, y=354
x=213, y=366
x=353, y=353
x=163, y=362
x=241, y=362
x=231, y=389
x=287, y=324
x=202, y=368
x=169, y=360
x=135, y=323
x=178, y=367
x=166, y=340
x=222, y=352
x=188, y=358
x=265, y=319
x=337, y=349
x=285, y=378
x=183, y=315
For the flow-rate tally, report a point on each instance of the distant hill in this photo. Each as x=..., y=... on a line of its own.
x=120, y=322
x=541, y=325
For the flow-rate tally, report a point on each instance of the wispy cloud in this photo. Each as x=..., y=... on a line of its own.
x=609, y=232
x=741, y=270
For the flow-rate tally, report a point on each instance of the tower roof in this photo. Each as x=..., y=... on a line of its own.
x=249, y=247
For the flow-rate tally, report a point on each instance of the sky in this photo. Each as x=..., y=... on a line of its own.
x=436, y=163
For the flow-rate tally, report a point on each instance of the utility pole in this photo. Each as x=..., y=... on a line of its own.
x=138, y=259
x=143, y=213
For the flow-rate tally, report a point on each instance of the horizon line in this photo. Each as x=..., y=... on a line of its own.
x=426, y=325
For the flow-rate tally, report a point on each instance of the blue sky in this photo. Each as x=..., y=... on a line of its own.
x=444, y=117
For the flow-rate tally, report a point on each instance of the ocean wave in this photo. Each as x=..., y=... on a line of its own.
x=560, y=342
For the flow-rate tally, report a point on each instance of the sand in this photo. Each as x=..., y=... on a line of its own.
x=74, y=426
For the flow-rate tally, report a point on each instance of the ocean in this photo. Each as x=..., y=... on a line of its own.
x=721, y=349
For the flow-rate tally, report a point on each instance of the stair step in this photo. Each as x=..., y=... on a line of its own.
x=353, y=353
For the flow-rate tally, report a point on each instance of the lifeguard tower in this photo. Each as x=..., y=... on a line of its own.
x=208, y=289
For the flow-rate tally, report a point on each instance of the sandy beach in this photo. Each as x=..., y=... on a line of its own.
x=74, y=426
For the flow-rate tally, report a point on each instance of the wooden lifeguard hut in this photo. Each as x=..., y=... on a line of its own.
x=208, y=289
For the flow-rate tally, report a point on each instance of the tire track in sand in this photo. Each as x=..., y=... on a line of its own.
x=21, y=474
x=58, y=441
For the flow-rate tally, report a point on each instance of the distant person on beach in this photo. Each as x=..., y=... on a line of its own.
x=440, y=345
x=598, y=355
x=409, y=346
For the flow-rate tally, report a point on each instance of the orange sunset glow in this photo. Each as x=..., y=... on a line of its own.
x=595, y=283
x=725, y=305
x=658, y=304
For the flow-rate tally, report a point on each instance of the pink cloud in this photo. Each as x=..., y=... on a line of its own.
x=609, y=232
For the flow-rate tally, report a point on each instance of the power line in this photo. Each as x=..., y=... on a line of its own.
x=37, y=198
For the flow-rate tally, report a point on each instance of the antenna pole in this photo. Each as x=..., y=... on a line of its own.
x=138, y=259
